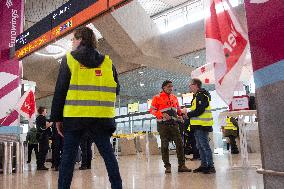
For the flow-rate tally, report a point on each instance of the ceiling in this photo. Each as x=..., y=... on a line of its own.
x=35, y=10
x=138, y=83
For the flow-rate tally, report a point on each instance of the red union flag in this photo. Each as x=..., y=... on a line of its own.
x=26, y=104
x=226, y=47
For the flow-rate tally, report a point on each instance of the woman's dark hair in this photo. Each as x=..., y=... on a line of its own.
x=41, y=109
x=197, y=82
x=87, y=36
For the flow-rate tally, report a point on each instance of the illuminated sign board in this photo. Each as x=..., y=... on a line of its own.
x=61, y=21
x=133, y=107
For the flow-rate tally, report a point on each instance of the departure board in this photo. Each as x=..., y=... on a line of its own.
x=61, y=21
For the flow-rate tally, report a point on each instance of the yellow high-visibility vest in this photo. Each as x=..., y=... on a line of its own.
x=230, y=125
x=205, y=119
x=92, y=91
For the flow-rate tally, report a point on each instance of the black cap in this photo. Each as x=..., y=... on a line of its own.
x=166, y=82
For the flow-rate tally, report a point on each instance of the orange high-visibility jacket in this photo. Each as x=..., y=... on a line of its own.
x=164, y=103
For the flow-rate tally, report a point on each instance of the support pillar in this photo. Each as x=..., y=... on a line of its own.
x=265, y=20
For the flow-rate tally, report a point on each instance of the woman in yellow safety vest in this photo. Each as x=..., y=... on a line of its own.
x=84, y=101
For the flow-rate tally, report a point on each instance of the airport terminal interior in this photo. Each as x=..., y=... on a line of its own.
x=149, y=42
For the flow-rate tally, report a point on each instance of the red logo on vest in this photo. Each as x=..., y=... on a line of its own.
x=98, y=72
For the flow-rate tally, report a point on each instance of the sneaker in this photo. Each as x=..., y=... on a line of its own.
x=209, y=170
x=199, y=169
x=168, y=170
x=183, y=168
x=42, y=168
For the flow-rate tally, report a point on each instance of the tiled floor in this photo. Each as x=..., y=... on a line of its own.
x=142, y=173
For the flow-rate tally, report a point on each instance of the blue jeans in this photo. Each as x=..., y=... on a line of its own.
x=70, y=149
x=202, y=143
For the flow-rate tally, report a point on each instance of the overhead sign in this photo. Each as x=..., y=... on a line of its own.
x=133, y=107
x=61, y=21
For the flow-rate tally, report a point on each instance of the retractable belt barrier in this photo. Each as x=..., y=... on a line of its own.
x=11, y=157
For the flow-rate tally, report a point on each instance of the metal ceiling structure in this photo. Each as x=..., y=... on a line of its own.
x=138, y=83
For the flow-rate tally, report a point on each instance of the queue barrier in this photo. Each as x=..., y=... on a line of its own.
x=136, y=143
x=11, y=157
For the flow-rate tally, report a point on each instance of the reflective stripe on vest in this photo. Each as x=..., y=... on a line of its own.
x=188, y=128
x=92, y=91
x=230, y=125
x=205, y=119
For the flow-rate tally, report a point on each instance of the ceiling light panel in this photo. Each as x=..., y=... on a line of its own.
x=153, y=7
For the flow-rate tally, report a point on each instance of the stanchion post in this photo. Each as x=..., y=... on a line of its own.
x=10, y=158
x=22, y=159
x=18, y=157
x=5, y=158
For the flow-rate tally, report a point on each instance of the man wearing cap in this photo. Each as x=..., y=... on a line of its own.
x=166, y=108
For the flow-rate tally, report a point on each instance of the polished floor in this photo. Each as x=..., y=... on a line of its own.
x=139, y=172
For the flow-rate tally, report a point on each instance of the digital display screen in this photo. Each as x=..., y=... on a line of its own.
x=64, y=19
x=68, y=10
x=34, y=32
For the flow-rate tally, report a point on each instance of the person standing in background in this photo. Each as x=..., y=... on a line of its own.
x=32, y=143
x=43, y=137
x=231, y=130
x=57, y=148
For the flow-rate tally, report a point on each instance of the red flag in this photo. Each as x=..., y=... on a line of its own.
x=205, y=73
x=226, y=47
x=27, y=104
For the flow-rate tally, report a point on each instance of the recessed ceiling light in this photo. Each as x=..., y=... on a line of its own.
x=141, y=72
x=196, y=57
x=142, y=84
x=52, y=50
x=178, y=93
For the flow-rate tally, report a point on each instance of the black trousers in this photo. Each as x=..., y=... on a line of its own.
x=43, y=149
x=57, y=149
x=86, y=148
x=233, y=143
x=32, y=147
x=190, y=144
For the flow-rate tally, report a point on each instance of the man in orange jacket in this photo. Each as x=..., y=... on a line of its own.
x=166, y=108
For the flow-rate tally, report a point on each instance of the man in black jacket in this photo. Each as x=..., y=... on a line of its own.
x=201, y=122
x=42, y=126
x=85, y=78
